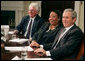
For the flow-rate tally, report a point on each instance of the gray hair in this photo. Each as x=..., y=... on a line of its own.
x=74, y=14
x=35, y=5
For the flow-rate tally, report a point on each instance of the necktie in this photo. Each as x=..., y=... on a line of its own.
x=29, y=29
x=58, y=38
x=62, y=33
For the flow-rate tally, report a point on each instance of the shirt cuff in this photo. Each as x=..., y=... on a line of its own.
x=48, y=53
x=41, y=46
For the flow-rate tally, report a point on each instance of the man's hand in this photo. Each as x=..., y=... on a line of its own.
x=34, y=45
x=40, y=52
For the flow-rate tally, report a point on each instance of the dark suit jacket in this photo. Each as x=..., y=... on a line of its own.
x=43, y=37
x=38, y=21
x=68, y=46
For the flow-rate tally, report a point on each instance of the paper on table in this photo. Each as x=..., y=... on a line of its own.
x=16, y=58
x=38, y=59
x=3, y=38
x=11, y=32
x=13, y=49
x=19, y=40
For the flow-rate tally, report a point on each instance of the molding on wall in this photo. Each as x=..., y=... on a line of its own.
x=17, y=6
x=77, y=9
x=80, y=11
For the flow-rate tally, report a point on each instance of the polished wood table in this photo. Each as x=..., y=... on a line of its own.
x=7, y=55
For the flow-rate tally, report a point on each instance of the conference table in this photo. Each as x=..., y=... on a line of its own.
x=8, y=55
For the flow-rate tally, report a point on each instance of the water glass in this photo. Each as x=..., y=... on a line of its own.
x=24, y=53
x=6, y=29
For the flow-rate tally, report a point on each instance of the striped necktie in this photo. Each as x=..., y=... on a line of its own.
x=29, y=29
x=57, y=39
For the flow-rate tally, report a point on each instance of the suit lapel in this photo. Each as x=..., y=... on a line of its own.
x=68, y=32
x=35, y=24
x=26, y=23
x=64, y=36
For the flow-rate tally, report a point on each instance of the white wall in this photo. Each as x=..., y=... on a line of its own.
x=81, y=20
x=79, y=8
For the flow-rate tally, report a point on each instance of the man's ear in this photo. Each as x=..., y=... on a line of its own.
x=74, y=20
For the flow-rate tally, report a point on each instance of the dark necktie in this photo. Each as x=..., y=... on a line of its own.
x=29, y=29
x=57, y=37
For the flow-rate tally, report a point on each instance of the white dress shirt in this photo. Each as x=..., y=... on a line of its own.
x=28, y=26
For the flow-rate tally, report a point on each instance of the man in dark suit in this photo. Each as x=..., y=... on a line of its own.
x=30, y=24
x=67, y=43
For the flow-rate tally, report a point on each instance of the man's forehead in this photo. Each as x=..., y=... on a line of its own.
x=32, y=7
x=67, y=12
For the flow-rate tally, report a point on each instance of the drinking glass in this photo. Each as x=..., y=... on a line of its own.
x=24, y=53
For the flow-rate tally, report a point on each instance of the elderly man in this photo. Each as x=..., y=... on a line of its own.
x=67, y=42
x=30, y=24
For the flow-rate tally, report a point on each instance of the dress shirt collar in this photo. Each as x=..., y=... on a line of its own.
x=67, y=28
x=33, y=18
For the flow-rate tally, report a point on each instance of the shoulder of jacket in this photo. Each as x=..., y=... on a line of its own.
x=26, y=16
